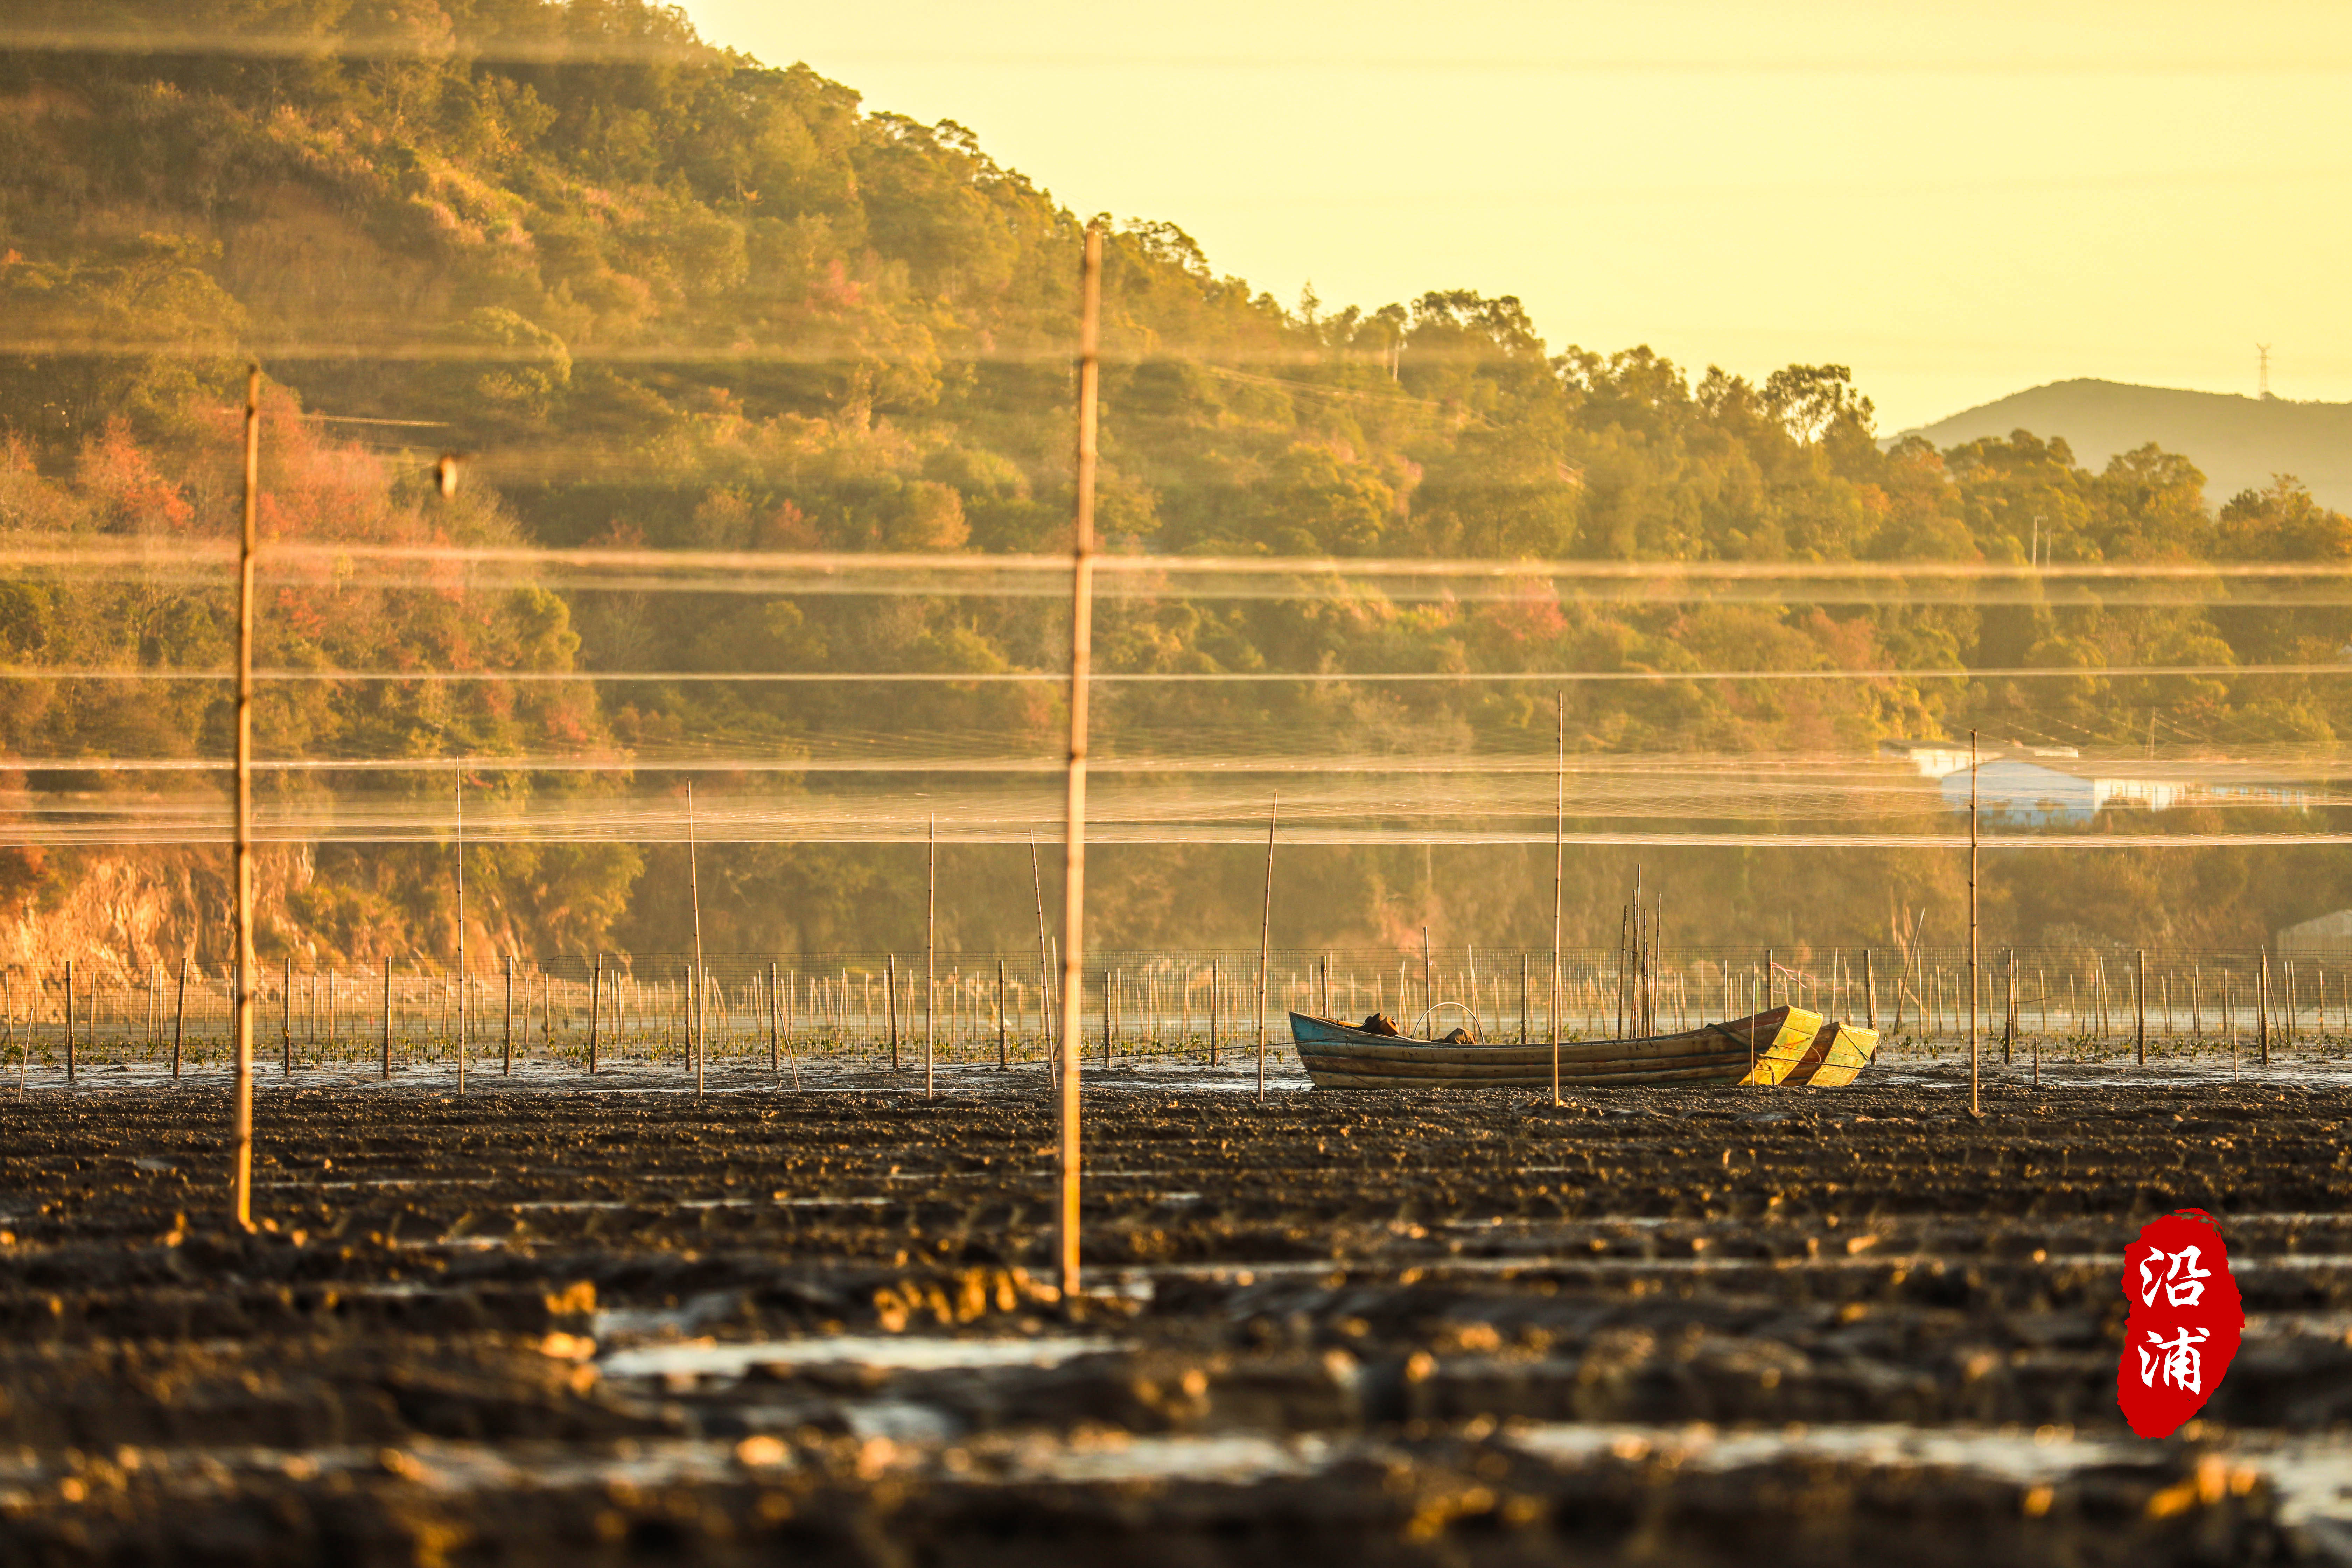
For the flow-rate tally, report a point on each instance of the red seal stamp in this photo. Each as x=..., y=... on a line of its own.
x=2184, y=1325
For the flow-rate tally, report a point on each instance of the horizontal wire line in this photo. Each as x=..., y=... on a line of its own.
x=1745, y=772
x=1522, y=573
x=570, y=50
x=709, y=832
x=987, y=678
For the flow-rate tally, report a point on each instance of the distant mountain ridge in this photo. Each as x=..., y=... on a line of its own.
x=2239, y=443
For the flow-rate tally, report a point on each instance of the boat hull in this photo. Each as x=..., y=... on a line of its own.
x=1784, y=1046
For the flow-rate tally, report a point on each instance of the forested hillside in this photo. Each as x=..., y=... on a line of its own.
x=660, y=294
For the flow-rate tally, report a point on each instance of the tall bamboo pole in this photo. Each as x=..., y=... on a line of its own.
x=696, y=1018
x=1558, y=875
x=1074, y=821
x=1266, y=939
x=457, y=793
x=930, y=941
x=596, y=1009
x=1976, y=1105
x=241, y=1114
x=386, y=1065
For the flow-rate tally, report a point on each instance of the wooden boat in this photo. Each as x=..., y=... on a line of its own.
x=1782, y=1047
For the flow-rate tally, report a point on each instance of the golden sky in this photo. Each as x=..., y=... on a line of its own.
x=1960, y=202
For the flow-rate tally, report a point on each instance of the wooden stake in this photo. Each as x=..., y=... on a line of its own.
x=2009, y=1015
x=1428, y=978
x=2262, y=1003
x=1045, y=968
x=386, y=1066
x=2139, y=1007
x=179, y=1017
x=1870, y=987
x=69, y=1020
x=1003, y=1045
x=1976, y=1104
x=1265, y=938
x=891, y=1005
x=241, y=1100
x=1212, y=1011
x=698, y=1014
x=458, y=795
x=596, y=1009
x=1074, y=822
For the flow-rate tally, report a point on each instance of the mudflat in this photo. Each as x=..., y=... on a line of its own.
x=548, y=1320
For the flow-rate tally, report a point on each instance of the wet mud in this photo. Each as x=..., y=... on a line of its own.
x=620, y=1323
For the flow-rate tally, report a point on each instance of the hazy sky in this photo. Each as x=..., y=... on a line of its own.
x=1957, y=201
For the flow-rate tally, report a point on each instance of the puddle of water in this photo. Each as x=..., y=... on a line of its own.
x=2012, y=1455
x=1238, y=1457
x=897, y=1353
x=2311, y=1474
x=900, y=1421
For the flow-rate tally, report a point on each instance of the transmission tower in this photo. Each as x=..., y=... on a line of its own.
x=2264, y=349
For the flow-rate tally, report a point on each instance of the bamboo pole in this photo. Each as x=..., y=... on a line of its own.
x=385, y=1071
x=1074, y=821
x=891, y=1005
x=1265, y=938
x=698, y=1018
x=1869, y=986
x=930, y=943
x=241, y=1112
x=1212, y=1011
x=1558, y=881
x=596, y=1009
x=69, y=1020
x=1003, y=1044
x=180, y=1017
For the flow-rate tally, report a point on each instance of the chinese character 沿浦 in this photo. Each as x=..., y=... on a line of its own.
x=2177, y=1361
x=2182, y=1281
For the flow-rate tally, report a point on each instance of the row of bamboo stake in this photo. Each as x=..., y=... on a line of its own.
x=1157, y=999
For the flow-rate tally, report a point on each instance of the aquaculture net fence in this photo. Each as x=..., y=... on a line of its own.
x=1001, y=1007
